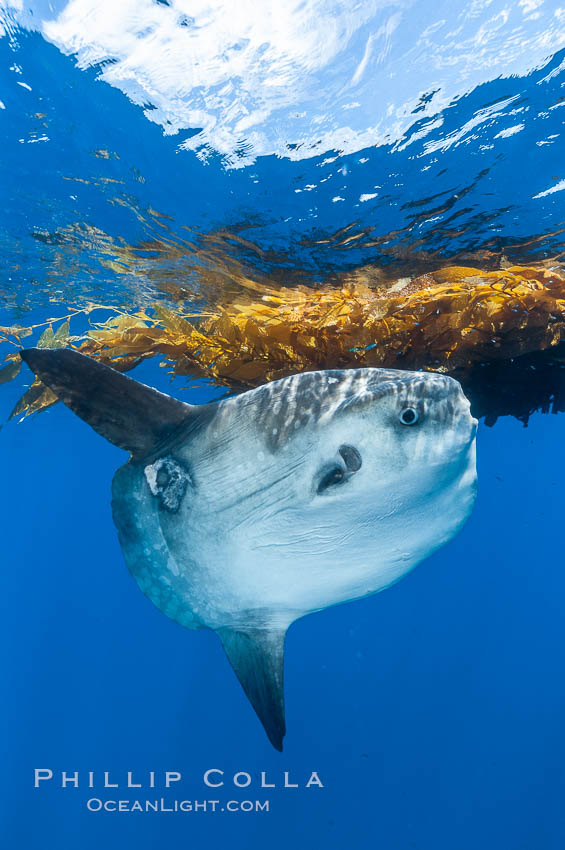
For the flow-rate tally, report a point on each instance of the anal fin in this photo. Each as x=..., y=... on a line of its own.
x=257, y=657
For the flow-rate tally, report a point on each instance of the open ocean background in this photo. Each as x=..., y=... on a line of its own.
x=434, y=711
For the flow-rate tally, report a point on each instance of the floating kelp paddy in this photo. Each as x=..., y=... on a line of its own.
x=499, y=331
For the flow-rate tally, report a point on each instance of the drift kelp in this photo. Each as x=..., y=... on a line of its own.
x=452, y=320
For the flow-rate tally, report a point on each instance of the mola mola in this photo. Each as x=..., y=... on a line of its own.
x=243, y=515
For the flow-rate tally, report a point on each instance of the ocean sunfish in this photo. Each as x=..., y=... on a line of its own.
x=243, y=515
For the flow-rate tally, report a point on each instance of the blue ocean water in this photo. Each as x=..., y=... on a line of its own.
x=432, y=712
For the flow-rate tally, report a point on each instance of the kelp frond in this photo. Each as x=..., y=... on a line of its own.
x=448, y=321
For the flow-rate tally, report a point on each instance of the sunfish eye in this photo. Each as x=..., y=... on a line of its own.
x=336, y=475
x=409, y=416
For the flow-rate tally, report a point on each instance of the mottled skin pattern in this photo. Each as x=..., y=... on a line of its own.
x=283, y=407
x=244, y=515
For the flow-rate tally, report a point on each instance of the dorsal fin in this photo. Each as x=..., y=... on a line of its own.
x=257, y=657
x=131, y=415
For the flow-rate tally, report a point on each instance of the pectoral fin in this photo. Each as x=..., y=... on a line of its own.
x=257, y=657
